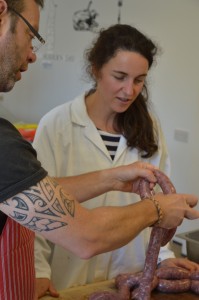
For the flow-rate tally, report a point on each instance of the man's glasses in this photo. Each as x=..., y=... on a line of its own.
x=36, y=44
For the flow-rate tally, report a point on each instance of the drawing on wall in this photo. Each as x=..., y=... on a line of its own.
x=51, y=20
x=85, y=19
x=49, y=55
x=119, y=11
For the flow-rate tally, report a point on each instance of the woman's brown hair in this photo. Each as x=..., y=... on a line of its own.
x=135, y=123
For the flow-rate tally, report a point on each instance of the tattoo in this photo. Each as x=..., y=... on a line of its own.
x=42, y=207
x=69, y=205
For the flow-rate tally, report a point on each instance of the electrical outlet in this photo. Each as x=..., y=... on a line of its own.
x=181, y=135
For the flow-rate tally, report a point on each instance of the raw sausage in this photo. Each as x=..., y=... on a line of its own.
x=165, y=279
x=195, y=275
x=159, y=237
x=172, y=273
x=195, y=286
x=131, y=280
x=173, y=286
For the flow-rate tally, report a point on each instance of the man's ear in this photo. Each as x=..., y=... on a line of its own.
x=3, y=18
x=3, y=7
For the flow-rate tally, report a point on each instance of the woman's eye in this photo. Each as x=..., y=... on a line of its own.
x=119, y=77
x=139, y=81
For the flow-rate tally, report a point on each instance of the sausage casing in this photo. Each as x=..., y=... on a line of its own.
x=173, y=286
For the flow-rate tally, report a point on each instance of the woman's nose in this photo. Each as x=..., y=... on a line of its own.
x=129, y=88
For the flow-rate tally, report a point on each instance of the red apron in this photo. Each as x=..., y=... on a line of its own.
x=17, y=274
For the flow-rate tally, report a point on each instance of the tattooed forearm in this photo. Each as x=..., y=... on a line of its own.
x=43, y=207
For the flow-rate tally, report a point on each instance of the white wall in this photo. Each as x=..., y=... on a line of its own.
x=173, y=82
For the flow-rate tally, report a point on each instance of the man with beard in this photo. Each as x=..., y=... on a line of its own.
x=32, y=201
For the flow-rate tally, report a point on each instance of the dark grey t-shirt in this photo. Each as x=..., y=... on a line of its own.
x=19, y=167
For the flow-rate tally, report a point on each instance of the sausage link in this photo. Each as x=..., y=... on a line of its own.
x=195, y=286
x=195, y=275
x=159, y=237
x=162, y=180
x=172, y=273
x=124, y=293
x=129, y=279
x=167, y=188
x=136, y=293
x=173, y=286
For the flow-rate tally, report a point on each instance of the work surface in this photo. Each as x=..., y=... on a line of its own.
x=82, y=293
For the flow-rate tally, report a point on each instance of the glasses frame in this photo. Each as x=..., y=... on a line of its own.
x=34, y=31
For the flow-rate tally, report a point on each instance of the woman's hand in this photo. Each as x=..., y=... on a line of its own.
x=181, y=263
x=45, y=286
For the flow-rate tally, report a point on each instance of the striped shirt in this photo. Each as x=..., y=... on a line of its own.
x=111, y=141
x=17, y=273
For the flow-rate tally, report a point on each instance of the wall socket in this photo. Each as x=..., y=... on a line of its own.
x=181, y=135
x=1, y=98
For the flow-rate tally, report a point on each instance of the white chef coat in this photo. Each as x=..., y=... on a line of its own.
x=68, y=143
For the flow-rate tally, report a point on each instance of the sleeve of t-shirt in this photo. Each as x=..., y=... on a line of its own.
x=19, y=167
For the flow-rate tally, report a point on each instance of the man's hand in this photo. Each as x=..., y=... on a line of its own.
x=127, y=178
x=45, y=286
x=123, y=178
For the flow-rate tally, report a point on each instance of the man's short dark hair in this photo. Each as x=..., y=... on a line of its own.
x=19, y=6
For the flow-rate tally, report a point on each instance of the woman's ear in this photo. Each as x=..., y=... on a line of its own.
x=94, y=72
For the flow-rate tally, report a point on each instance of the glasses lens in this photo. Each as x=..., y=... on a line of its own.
x=36, y=45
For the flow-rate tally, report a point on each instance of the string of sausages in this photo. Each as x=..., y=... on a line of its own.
x=166, y=280
x=139, y=286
